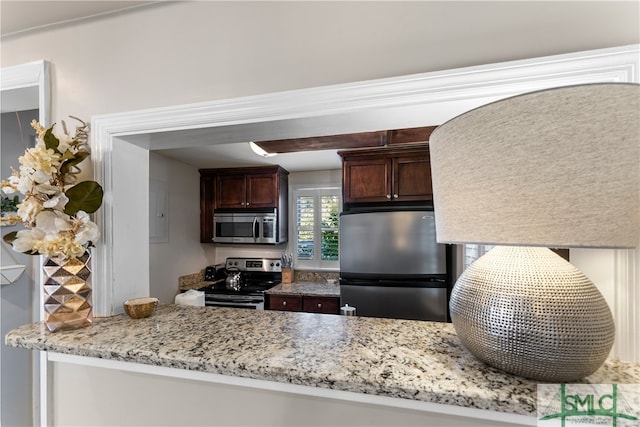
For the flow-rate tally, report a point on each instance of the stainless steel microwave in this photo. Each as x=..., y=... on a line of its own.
x=247, y=227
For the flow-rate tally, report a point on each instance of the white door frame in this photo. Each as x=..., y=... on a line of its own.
x=21, y=80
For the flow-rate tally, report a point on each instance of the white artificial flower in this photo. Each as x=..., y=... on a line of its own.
x=52, y=222
x=58, y=202
x=8, y=189
x=62, y=222
x=24, y=241
x=40, y=158
x=52, y=233
x=11, y=185
x=25, y=184
x=87, y=232
x=83, y=217
x=41, y=177
x=47, y=189
x=29, y=209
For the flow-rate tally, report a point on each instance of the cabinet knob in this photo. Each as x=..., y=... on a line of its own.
x=395, y=196
x=247, y=204
x=284, y=303
x=320, y=305
x=388, y=196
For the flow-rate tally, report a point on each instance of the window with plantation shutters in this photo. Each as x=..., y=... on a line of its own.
x=329, y=227
x=316, y=227
x=305, y=221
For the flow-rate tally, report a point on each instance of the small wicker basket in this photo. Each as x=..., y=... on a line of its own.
x=139, y=308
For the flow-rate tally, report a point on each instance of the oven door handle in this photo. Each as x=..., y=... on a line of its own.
x=254, y=226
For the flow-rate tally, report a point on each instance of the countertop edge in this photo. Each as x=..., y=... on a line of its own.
x=399, y=359
x=277, y=386
x=311, y=289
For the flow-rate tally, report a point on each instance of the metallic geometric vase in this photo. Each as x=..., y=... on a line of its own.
x=67, y=292
x=527, y=311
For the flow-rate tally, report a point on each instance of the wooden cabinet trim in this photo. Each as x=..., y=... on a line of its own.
x=387, y=152
x=416, y=135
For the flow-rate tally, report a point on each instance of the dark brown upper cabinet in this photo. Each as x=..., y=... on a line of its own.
x=388, y=175
x=259, y=187
x=241, y=188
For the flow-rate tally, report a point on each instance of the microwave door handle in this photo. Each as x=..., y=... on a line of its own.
x=255, y=224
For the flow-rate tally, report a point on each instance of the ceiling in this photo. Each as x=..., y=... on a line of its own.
x=240, y=155
x=18, y=15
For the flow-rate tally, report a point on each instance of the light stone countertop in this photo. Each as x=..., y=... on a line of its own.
x=422, y=361
x=319, y=289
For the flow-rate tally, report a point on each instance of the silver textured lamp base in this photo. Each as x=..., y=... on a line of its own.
x=527, y=311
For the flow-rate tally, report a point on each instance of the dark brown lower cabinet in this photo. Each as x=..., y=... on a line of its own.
x=309, y=304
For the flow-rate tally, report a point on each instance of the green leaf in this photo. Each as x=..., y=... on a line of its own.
x=50, y=140
x=85, y=196
x=67, y=155
x=67, y=165
x=10, y=237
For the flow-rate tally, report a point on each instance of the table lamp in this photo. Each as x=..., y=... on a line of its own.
x=556, y=168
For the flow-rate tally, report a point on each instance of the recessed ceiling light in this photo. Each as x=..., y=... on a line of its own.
x=259, y=151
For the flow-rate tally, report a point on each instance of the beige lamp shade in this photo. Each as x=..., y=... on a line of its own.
x=553, y=168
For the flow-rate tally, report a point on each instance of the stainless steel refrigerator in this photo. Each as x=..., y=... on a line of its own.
x=391, y=265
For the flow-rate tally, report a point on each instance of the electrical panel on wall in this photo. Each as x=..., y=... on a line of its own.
x=158, y=212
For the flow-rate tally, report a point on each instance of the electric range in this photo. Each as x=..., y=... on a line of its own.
x=245, y=282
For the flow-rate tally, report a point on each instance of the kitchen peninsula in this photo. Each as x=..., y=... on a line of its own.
x=412, y=365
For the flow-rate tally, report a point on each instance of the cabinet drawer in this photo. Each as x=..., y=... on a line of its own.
x=285, y=303
x=327, y=305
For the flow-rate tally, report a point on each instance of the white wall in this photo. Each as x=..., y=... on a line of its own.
x=150, y=400
x=598, y=265
x=182, y=253
x=328, y=177
x=16, y=300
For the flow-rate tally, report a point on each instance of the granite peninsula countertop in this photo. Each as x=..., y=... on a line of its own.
x=422, y=361
x=318, y=289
